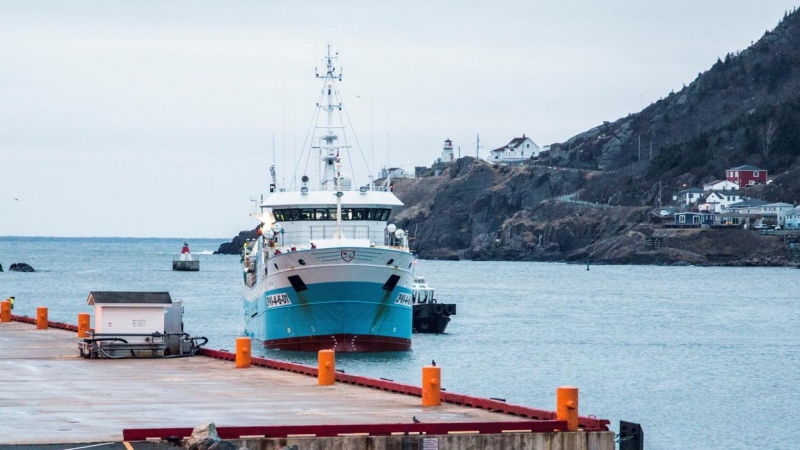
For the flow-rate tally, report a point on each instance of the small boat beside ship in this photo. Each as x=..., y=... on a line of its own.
x=327, y=270
x=430, y=316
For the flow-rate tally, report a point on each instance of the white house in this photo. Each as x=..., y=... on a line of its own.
x=394, y=172
x=717, y=200
x=516, y=151
x=688, y=196
x=720, y=185
x=775, y=213
x=748, y=206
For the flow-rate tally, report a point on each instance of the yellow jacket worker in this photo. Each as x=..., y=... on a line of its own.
x=11, y=300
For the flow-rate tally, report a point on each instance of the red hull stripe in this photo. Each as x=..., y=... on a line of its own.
x=341, y=343
x=383, y=429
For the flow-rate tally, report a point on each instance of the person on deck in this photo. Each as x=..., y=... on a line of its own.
x=185, y=248
x=11, y=300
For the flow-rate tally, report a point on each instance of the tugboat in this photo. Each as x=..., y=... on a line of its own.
x=184, y=261
x=429, y=316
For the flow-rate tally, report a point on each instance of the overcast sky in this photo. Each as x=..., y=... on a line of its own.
x=157, y=119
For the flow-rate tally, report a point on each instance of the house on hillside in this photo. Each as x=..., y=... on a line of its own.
x=793, y=219
x=515, y=152
x=720, y=185
x=745, y=176
x=688, y=196
x=732, y=220
x=693, y=219
x=774, y=214
x=748, y=206
x=394, y=172
x=716, y=200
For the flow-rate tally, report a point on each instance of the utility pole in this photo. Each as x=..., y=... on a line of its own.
x=651, y=149
x=659, y=193
x=459, y=152
x=478, y=148
x=640, y=148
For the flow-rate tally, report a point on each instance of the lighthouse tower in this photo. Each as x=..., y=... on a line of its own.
x=447, y=151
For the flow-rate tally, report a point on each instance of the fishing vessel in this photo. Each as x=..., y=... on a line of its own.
x=327, y=270
x=429, y=315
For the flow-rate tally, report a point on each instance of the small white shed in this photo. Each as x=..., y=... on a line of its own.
x=129, y=312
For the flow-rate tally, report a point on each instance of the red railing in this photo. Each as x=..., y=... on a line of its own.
x=382, y=429
x=587, y=423
x=50, y=323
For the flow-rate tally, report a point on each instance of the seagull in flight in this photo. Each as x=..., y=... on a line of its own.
x=15, y=198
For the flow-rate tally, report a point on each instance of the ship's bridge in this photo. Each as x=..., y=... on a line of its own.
x=301, y=218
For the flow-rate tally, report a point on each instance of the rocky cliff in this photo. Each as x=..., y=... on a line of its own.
x=743, y=110
x=481, y=211
x=589, y=197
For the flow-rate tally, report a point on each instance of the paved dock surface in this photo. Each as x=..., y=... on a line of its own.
x=49, y=394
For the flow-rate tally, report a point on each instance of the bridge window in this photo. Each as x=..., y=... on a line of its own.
x=297, y=214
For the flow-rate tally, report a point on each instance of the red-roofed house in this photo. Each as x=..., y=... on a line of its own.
x=746, y=175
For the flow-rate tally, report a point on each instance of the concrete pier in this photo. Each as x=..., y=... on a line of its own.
x=48, y=394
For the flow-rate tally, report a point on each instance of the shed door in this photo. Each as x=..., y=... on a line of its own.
x=122, y=319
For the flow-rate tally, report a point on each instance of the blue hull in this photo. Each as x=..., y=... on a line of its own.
x=344, y=316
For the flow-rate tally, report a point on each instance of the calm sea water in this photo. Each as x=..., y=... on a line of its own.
x=703, y=358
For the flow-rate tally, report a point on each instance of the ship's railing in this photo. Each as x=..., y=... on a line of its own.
x=329, y=232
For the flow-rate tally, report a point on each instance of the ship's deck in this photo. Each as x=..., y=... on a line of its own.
x=49, y=394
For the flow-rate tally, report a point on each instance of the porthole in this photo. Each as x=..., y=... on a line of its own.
x=302, y=262
x=390, y=262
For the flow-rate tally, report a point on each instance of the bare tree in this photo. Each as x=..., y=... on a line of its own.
x=767, y=132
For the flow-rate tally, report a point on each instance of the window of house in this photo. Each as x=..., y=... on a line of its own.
x=751, y=182
x=755, y=173
x=682, y=219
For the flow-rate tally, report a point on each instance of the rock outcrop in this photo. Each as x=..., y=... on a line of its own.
x=205, y=437
x=20, y=267
x=235, y=246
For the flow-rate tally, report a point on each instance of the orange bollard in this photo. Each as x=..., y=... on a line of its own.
x=242, y=352
x=326, y=372
x=83, y=325
x=41, y=318
x=5, y=311
x=567, y=406
x=431, y=386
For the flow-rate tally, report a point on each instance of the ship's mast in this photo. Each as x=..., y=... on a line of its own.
x=329, y=149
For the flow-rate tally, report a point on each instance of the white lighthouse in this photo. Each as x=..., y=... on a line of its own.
x=447, y=151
